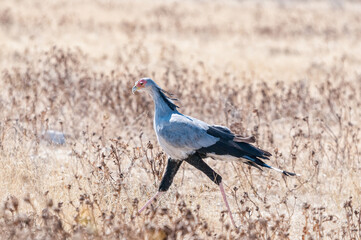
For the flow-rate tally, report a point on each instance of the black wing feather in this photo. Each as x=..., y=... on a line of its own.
x=228, y=146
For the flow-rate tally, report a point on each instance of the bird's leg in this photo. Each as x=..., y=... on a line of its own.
x=149, y=202
x=170, y=172
x=226, y=202
x=196, y=161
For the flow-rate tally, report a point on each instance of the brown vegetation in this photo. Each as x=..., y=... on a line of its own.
x=288, y=74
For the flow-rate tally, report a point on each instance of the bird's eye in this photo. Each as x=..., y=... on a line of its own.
x=141, y=83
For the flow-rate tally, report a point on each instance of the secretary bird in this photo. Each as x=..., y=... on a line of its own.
x=188, y=139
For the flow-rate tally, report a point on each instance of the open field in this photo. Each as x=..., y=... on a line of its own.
x=288, y=73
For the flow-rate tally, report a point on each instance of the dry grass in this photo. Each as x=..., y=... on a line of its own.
x=287, y=73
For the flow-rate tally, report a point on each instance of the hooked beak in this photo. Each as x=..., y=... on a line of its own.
x=134, y=89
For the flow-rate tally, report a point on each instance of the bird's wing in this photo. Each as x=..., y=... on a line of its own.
x=185, y=132
x=234, y=145
x=226, y=134
x=187, y=135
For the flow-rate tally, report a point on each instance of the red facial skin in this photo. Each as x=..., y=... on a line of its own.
x=141, y=83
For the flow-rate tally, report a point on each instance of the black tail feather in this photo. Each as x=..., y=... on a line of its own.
x=288, y=174
x=252, y=164
x=252, y=151
x=236, y=146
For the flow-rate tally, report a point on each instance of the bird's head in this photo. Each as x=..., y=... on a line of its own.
x=143, y=85
x=149, y=86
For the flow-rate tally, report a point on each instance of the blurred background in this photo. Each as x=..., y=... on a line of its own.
x=77, y=149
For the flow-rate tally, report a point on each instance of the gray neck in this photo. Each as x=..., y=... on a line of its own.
x=161, y=107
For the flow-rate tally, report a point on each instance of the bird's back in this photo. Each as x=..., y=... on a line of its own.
x=180, y=135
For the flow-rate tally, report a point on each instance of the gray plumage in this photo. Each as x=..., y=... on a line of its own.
x=181, y=136
x=188, y=139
